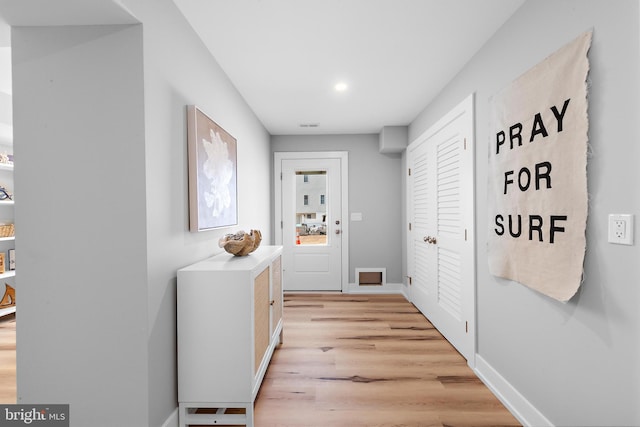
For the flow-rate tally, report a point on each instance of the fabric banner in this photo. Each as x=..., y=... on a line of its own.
x=538, y=174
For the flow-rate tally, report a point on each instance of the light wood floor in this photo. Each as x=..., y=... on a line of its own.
x=369, y=361
x=8, y=359
x=351, y=361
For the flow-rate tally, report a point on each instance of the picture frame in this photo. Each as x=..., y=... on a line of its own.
x=212, y=164
x=12, y=259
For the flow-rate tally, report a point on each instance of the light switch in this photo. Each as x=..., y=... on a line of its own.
x=356, y=216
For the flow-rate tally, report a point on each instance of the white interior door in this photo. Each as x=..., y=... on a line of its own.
x=441, y=245
x=312, y=229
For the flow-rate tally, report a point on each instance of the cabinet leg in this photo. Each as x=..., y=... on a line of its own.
x=250, y=415
x=182, y=415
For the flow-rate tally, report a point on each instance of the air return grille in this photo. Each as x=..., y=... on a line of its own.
x=371, y=276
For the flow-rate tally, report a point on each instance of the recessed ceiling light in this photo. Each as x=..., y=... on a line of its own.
x=341, y=87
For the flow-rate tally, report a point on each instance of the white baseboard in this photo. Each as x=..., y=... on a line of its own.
x=516, y=403
x=173, y=420
x=387, y=288
x=405, y=292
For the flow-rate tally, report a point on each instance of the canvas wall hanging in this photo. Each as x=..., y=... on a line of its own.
x=212, y=173
x=538, y=174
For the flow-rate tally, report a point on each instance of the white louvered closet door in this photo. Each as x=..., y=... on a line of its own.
x=423, y=225
x=441, y=252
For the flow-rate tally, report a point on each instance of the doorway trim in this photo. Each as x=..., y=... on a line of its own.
x=278, y=157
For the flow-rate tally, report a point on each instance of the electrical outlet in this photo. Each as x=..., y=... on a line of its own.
x=621, y=229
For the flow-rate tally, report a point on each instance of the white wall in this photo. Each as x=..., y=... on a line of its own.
x=178, y=70
x=374, y=191
x=576, y=363
x=108, y=103
x=80, y=220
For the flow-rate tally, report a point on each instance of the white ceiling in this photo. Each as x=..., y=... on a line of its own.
x=285, y=56
x=64, y=12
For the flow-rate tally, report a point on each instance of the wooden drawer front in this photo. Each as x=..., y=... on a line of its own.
x=276, y=293
x=261, y=316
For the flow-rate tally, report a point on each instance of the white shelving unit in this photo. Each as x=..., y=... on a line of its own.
x=6, y=217
x=6, y=169
x=11, y=273
x=7, y=311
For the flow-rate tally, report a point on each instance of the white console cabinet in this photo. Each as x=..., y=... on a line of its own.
x=229, y=324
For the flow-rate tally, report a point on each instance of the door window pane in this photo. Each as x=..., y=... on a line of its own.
x=311, y=207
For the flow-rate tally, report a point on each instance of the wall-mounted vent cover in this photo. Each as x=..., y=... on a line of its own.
x=371, y=276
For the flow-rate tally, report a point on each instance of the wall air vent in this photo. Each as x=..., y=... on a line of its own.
x=309, y=125
x=371, y=276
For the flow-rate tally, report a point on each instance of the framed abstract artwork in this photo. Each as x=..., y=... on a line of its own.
x=213, y=199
